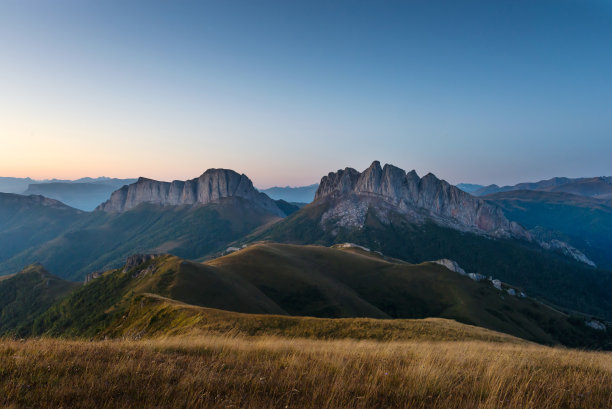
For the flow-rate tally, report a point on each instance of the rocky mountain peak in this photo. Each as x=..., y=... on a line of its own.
x=390, y=189
x=211, y=186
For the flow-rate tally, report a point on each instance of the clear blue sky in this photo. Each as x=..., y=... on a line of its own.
x=486, y=92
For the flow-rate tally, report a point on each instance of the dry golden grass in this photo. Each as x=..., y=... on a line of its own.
x=267, y=372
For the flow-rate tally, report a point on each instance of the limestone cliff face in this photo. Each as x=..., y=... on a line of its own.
x=391, y=189
x=211, y=186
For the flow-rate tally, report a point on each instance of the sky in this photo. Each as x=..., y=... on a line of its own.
x=285, y=92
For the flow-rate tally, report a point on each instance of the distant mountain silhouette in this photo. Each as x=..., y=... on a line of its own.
x=596, y=187
x=299, y=194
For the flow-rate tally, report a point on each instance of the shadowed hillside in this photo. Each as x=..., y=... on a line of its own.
x=541, y=273
x=27, y=294
x=306, y=281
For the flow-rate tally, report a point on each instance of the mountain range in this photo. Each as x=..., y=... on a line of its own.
x=146, y=216
x=395, y=216
x=595, y=187
x=84, y=193
x=299, y=194
x=417, y=219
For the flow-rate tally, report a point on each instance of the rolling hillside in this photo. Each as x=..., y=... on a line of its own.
x=291, y=280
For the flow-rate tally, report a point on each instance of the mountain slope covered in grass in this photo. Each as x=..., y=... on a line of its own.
x=152, y=316
x=301, y=281
x=27, y=294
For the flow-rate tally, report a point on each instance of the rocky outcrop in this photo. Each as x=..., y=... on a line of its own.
x=137, y=259
x=596, y=325
x=568, y=250
x=212, y=186
x=390, y=189
x=92, y=276
x=452, y=265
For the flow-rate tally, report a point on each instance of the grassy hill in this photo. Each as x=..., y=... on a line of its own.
x=556, y=278
x=151, y=315
x=300, y=281
x=26, y=295
x=584, y=222
x=103, y=240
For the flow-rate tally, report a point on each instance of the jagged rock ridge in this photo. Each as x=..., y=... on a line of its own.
x=390, y=189
x=211, y=186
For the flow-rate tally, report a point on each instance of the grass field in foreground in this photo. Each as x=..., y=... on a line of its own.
x=268, y=372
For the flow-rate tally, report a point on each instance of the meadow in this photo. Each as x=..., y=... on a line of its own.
x=220, y=371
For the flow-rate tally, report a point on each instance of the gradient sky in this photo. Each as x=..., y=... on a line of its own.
x=483, y=92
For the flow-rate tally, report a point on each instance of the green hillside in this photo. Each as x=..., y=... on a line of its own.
x=584, y=222
x=26, y=295
x=104, y=240
x=302, y=281
x=154, y=316
x=27, y=221
x=541, y=273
